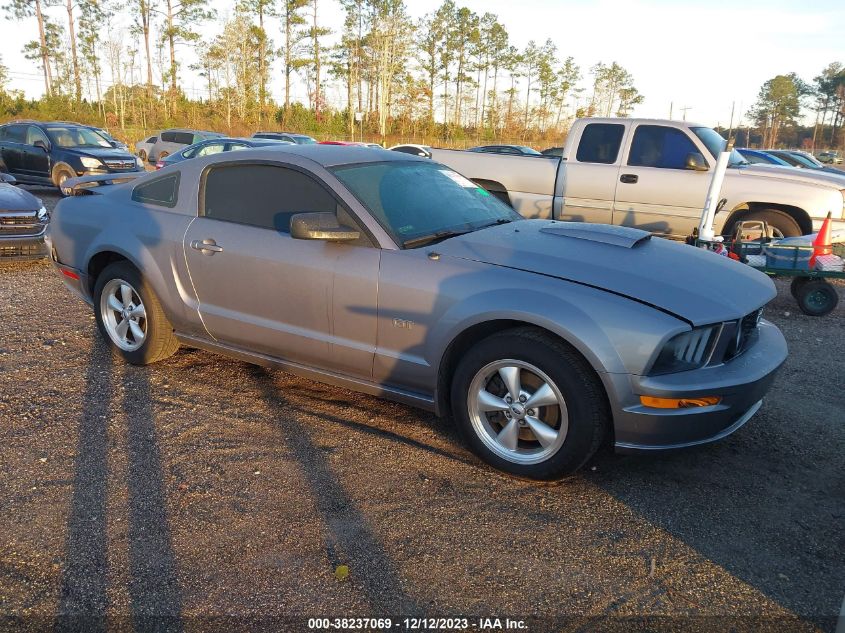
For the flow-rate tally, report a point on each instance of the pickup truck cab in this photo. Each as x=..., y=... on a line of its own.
x=653, y=175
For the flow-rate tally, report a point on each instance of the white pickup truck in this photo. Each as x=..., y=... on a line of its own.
x=651, y=174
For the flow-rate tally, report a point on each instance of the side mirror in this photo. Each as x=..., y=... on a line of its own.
x=696, y=162
x=8, y=179
x=41, y=144
x=114, y=144
x=320, y=226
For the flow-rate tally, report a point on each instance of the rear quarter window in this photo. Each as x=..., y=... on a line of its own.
x=162, y=192
x=600, y=143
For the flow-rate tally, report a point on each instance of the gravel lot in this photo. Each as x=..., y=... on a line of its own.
x=203, y=493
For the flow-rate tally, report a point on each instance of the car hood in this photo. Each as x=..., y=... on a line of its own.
x=696, y=285
x=14, y=199
x=104, y=153
x=791, y=174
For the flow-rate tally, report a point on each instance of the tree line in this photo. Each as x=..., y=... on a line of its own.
x=451, y=74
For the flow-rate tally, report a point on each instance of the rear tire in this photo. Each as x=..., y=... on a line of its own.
x=122, y=296
x=555, y=424
x=817, y=298
x=796, y=284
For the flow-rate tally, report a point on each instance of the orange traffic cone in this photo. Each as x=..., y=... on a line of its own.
x=822, y=244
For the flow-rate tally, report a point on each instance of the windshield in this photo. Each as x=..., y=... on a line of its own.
x=70, y=136
x=414, y=200
x=716, y=144
x=305, y=140
x=809, y=161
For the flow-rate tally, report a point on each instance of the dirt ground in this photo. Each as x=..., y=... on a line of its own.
x=203, y=493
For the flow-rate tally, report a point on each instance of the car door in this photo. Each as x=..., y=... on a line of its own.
x=11, y=148
x=303, y=301
x=590, y=176
x=656, y=191
x=36, y=160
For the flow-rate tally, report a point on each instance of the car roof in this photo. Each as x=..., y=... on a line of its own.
x=326, y=155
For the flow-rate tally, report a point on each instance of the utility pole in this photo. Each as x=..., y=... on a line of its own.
x=731, y=126
x=684, y=110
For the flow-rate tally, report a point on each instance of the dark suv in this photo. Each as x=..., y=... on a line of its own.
x=41, y=153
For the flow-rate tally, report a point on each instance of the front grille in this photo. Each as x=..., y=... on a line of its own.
x=20, y=225
x=744, y=333
x=120, y=164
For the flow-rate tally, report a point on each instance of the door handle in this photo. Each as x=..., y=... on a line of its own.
x=206, y=247
x=629, y=179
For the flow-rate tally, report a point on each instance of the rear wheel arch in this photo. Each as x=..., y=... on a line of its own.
x=797, y=214
x=495, y=188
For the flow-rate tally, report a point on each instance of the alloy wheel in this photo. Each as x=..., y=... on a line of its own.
x=517, y=411
x=123, y=314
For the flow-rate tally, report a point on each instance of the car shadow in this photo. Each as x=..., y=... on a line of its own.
x=349, y=539
x=154, y=593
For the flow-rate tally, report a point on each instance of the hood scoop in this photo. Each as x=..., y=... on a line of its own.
x=623, y=236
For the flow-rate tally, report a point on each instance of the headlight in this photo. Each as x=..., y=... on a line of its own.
x=688, y=350
x=42, y=213
x=91, y=163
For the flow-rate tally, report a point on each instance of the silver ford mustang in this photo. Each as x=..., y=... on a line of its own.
x=394, y=275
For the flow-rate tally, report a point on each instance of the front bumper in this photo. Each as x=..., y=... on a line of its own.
x=741, y=384
x=22, y=246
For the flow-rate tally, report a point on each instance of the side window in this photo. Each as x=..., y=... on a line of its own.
x=163, y=192
x=34, y=134
x=659, y=146
x=16, y=134
x=265, y=196
x=211, y=148
x=600, y=143
x=234, y=147
x=168, y=137
x=185, y=138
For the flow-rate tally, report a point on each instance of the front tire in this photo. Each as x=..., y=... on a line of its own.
x=61, y=174
x=142, y=155
x=130, y=317
x=529, y=404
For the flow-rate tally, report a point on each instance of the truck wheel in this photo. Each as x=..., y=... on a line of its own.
x=60, y=174
x=777, y=220
x=816, y=297
x=528, y=404
x=130, y=316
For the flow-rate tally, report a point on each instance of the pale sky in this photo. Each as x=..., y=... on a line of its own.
x=701, y=55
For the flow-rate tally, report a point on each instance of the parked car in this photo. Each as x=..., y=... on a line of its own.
x=49, y=153
x=653, y=175
x=514, y=150
x=831, y=157
x=169, y=141
x=759, y=157
x=114, y=142
x=23, y=221
x=299, y=139
x=803, y=160
x=352, y=143
x=216, y=146
x=543, y=339
x=414, y=150
x=557, y=152
x=143, y=147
